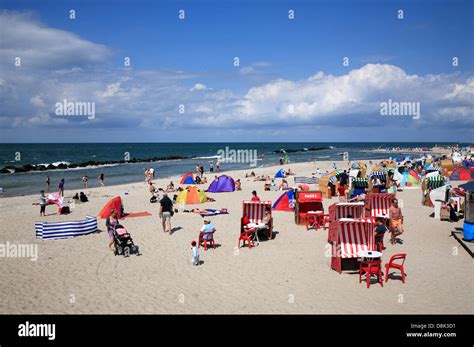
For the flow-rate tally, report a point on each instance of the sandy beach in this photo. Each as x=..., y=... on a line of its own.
x=289, y=274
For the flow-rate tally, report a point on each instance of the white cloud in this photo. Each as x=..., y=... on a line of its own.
x=200, y=86
x=146, y=99
x=37, y=101
x=41, y=47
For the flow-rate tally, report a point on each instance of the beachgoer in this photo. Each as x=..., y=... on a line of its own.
x=283, y=185
x=43, y=203
x=343, y=178
x=166, y=211
x=85, y=181
x=170, y=187
x=152, y=188
x=211, y=167
x=453, y=211
x=48, y=183
x=110, y=223
x=267, y=218
x=61, y=187
x=238, y=184
x=255, y=196
x=152, y=172
x=380, y=230
x=194, y=253
x=218, y=165
x=101, y=180
x=396, y=220
x=208, y=227
x=83, y=197
x=201, y=170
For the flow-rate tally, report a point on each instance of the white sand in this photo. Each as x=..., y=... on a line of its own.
x=290, y=274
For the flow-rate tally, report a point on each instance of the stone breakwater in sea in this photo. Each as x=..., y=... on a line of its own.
x=91, y=163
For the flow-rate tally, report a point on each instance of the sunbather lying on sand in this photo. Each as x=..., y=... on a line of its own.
x=206, y=212
x=262, y=178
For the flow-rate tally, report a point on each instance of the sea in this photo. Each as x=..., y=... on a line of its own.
x=262, y=155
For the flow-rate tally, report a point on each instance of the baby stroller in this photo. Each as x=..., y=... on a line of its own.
x=123, y=242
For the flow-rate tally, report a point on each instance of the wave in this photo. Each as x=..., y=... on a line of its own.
x=209, y=157
x=63, y=165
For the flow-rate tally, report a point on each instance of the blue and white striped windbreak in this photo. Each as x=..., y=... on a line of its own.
x=62, y=230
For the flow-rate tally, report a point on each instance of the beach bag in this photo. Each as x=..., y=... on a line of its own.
x=153, y=199
x=65, y=210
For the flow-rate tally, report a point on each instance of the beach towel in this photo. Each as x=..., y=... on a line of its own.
x=137, y=214
x=214, y=212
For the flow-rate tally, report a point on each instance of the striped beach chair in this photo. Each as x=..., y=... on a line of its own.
x=435, y=182
x=352, y=237
x=340, y=210
x=63, y=230
x=378, y=204
x=255, y=211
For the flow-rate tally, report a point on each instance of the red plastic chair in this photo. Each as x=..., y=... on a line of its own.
x=311, y=221
x=204, y=241
x=393, y=265
x=370, y=268
x=247, y=236
x=324, y=221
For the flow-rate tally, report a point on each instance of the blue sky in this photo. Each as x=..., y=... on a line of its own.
x=284, y=64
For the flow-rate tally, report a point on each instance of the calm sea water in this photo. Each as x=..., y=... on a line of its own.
x=32, y=182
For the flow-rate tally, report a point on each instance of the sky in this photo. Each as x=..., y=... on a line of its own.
x=236, y=71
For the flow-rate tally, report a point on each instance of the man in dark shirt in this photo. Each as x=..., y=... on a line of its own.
x=166, y=210
x=344, y=178
x=380, y=230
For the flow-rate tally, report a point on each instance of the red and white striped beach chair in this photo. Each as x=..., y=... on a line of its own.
x=255, y=211
x=353, y=236
x=378, y=204
x=340, y=210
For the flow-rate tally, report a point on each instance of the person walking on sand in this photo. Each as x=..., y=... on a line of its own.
x=110, y=223
x=101, y=180
x=48, y=183
x=61, y=188
x=166, y=211
x=218, y=165
x=194, y=253
x=43, y=203
x=396, y=220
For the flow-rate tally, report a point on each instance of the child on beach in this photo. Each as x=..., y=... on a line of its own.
x=43, y=202
x=61, y=187
x=194, y=253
